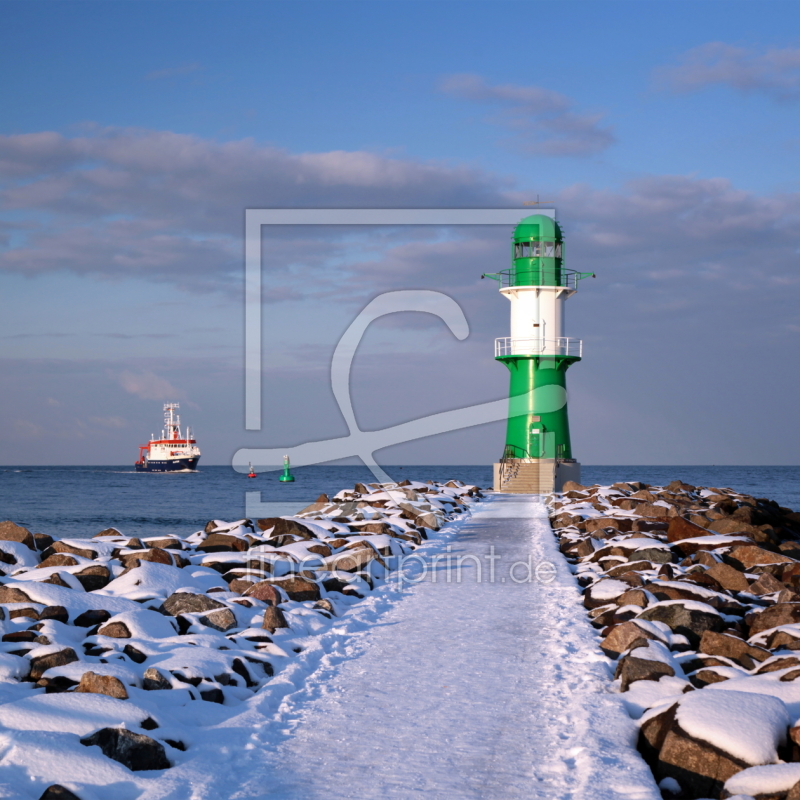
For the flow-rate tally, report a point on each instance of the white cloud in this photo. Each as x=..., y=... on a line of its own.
x=109, y=422
x=148, y=386
x=545, y=122
x=772, y=71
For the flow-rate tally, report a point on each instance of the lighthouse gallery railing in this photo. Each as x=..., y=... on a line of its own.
x=532, y=347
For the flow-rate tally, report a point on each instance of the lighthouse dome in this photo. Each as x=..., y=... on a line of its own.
x=538, y=227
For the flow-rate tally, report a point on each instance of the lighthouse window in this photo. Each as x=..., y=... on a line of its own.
x=558, y=250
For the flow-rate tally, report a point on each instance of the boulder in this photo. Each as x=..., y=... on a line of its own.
x=10, y=594
x=680, y=528
x=108, y=685
x=728, y=577
x=11, y=532
x=154, y=555
x=689, y=618
x=773, y=616
x=297, y=587
x=63, y=547
x=58, y=613
x=273, y=619
x=222, y=619
x=94, y=577
x=222, y=542
x=154, y=680
x=727, y=646
x=42, y=541
x=353, y=560
x=264, y=591
x=623, y=524
x=58, y=560
x=766, y=584
x=281, y=527
x=750, y=556
x=633, y=667
x=58, y=657
x=58, y=792
x=133, y=750
x=624, y=636
x=115, y=630
x=91, y=617
x=651, y=510
x=573, y=486
x=189, y=603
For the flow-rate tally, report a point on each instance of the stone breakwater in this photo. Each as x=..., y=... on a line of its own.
x=696, y=594
x=111, y=641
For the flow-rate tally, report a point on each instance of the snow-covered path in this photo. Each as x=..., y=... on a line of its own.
x=474, y=689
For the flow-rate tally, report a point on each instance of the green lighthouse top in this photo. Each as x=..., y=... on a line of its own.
x=536, y=228
x=537, y=256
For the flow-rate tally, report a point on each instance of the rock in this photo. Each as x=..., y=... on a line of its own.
x=94, y=577
x=698, y=767
x=622, y=524
x=297, y=588
x=11, y=532
x=58, y=613
x=353, y=560
x=264, y=591
x=10, y=594
x=631, y=668
x=624, y=636
x=58, y=658
x=688, y=618
x=274, y=618
x=63, y=547
x=680, y=528
x=766, y=584
x=728, y=525
x=109, y=532
x=116, y=630
x=633, y=597
x=222, y=619
x=154, y=555
x=42, y=541
x=58, y=792
x=281, y=527
x=189, y=603
x=650, y=510
x=656, y=555
x=154, y=680
x=325, y=605
x=750, y=556
x=56, y=579
x=92, y=683
x=722, y=644
x=773, y=616
x=91, y=617
x=223, y=542
x=728, y=577
x=58, y=560
x=134, y=654
x=134, y=750
x=573, y=486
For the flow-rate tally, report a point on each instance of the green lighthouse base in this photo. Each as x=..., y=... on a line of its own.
x=535, y=475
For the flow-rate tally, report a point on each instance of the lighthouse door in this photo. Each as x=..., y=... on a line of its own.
x=536, y=440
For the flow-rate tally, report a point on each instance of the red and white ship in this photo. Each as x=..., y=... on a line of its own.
x=173, y=452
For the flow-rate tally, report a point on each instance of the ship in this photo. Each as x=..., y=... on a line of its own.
x=173, y=452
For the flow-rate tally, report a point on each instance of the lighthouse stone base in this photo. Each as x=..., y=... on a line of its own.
x=535, y=475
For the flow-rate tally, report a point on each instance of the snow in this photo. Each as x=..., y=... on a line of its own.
x=748, y=726
x=769, y=684
x=763, y=780
x=449, y=688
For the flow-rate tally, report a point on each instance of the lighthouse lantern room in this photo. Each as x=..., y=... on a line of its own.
x=537, y=457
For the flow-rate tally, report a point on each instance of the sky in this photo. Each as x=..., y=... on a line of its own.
x=134, y=135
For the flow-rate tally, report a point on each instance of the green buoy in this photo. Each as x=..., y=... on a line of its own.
x=287, y=476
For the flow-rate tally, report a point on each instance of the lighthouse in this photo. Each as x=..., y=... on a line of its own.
x=537, y=457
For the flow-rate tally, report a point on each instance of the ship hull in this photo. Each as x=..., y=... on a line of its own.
x=171, y=465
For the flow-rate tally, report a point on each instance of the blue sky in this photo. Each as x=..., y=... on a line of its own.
x=134, y=135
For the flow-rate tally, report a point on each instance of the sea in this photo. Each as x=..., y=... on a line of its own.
x=78, y=502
